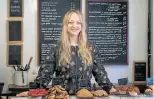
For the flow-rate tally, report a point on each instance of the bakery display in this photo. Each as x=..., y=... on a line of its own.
x=133, y=91
x=151, y=87
x=84, y=93
x=122, y=89
x=136, y=89
x=99, y=93
x=57, y=92
x=149, y=90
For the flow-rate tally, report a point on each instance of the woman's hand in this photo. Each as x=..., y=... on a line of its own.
x=23, y=94
x=112, y=90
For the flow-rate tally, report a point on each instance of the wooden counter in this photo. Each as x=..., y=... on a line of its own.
x=110, y=97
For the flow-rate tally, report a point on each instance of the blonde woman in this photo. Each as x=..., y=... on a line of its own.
x=73, y=60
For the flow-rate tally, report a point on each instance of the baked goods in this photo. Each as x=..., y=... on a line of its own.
x=136, y=89
x=99, y=93
x=133, y=91
x=122, y=89
x=57, y=92
x=50, y=97
x=151, y=87
x=84, y=93
x=150, y=90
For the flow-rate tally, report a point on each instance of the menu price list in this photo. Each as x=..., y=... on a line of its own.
x=107, y=29
x=51, y=13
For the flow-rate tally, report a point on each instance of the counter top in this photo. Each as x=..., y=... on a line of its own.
x=110, y=97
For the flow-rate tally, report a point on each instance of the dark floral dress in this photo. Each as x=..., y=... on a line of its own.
x=74, y=75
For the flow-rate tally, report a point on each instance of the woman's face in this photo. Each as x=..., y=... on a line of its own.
x=74, y=25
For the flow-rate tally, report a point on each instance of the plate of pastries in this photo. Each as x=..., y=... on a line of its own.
x=125, y=90
x=122, y=90
x=57, y=92
x=150, y=90
x=133, y=91
x=86, y=94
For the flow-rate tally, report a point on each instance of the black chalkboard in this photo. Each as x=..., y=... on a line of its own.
x=15, y=8
x=14, y=53
x=51, y=13
x=108, y=29
x=140, y=71
x=15, y=30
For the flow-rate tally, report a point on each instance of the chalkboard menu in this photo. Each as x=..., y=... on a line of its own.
x=14, y=30
x=14, y=54
x=107, y=29
x=140, y=71
x=16, y=8
x=51, y=13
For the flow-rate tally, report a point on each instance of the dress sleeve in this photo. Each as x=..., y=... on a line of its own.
x=46, y=71
x=99, y=72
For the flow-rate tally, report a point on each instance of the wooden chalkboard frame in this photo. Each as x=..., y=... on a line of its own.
x=8, y=10
x=38, y=30
x=7, y=54
x=8, y=32
x=86, y=17
x=133, y=74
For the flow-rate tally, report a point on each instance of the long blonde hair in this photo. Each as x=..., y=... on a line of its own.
x=65, y=47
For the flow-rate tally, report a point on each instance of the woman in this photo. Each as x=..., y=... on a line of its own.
x=74, y=60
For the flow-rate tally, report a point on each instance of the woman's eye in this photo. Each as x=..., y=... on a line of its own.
x=78, y=22
x=70, y=22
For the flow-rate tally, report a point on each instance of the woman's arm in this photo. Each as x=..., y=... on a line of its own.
x=47, y=69
x=99, y=72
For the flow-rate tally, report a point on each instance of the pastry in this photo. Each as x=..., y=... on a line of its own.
x=57, y=92
x=136, y=89
x=99, y=93
x=84, y=93
x=50, y=96
x=148, y=91
x=132, y=91
x=122, y=89
x=151, y=87
x=60, y=96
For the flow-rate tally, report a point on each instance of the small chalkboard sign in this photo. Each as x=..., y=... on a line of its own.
x=14, y=54
x=140, y=72
x=15, y=31
x=15, y=8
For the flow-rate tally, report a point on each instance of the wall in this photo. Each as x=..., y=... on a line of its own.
x=152, y=36
x=138, y=14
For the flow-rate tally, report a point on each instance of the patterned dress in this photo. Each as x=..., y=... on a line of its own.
x=74, y=75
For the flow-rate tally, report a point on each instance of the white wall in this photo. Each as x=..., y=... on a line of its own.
x=138, y=14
